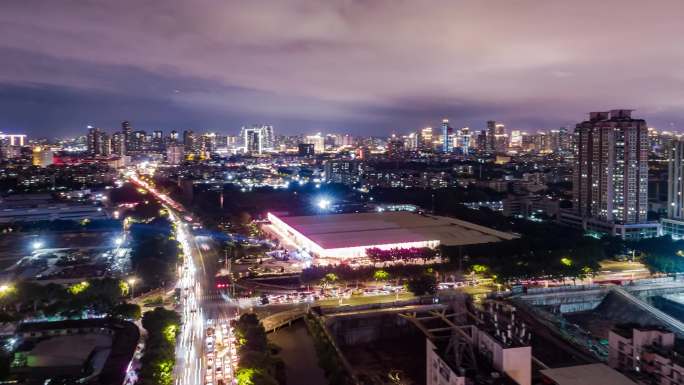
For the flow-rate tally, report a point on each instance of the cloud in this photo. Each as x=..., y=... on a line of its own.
x=362, y=62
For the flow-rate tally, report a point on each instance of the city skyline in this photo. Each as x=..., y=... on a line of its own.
x=308, y=67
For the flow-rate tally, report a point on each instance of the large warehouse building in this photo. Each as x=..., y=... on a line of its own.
x=344, y=236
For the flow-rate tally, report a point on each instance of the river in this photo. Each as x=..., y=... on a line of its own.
x=299, y=355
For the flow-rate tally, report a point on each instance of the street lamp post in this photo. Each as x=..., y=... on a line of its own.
x=131, y=284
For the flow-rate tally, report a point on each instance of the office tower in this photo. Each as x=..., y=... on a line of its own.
x=674, y=223
x=189, y=140
x=497, y=140
x=42, y=156
x=447, y=137
x=137, y=143
x=317, y=140
x=610, y=181
x=252, y=139
x=173, y=136
x=346, y=140
x=158, y=141
x=127, y=131
x=395, y=147
x=347, y=172
x=464, y=140
x=516, y=139
x=258, y=138
x=410, y=141
x=268, y=136
x=118, y=144
x=97, y=142
x=306, y=149
x=175, y=153
x=426, y=139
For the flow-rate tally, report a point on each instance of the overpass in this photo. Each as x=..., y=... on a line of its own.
x=284, y=318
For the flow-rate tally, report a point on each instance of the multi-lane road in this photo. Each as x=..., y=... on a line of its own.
x=205, y=353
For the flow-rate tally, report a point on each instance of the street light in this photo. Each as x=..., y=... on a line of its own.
x=37, y=245
x=323, y=203
x=131, y=284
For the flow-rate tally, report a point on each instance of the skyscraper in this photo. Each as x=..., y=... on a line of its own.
x=674, y=223
x=317, y=140
x=447, y=137
x=118, y=144
x=189, y=140
x=497, y=140
x=610, y=181
x=426, y=140
x=97, y=142
x=127, y=131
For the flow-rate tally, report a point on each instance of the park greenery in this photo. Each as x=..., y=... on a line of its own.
x=159, y=356
x=155, y=252
x=257, y=364
x=423, y=284
x=104, y=296
x=660, y=255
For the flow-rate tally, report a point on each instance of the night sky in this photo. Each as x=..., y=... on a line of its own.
x=358, y=66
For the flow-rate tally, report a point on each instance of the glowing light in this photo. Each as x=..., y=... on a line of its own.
x=37, y=245
x=323, y=203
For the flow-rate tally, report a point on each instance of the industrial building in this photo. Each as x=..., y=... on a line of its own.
x=344, y=236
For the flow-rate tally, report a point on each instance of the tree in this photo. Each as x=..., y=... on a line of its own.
x=127, y=311
x=425, y=283
x=329, y=279
x=381, y=275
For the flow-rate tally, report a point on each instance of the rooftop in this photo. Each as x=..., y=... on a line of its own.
x=587, y=374
x=363, y=229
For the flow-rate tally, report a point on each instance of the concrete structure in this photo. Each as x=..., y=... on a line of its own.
x=673, y=225
x=585, y=375
x=13, y=139
x=349, y=235
x=175, y=154
x=439, y=371
x=42, y=156
x=317, y=140
x=23, y=208
x=447, y=137
x=347, y=172
x=610, y=181
x=648, y=353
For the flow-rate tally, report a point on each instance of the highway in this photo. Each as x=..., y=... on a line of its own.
x=200, y=358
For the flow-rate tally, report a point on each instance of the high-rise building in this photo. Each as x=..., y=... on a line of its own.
x=175, y=153
x=497, y=140
x=317, y=140
x=447, y=137
x=118, y=144
x=258, y=138
x=306, y=149
x=610, y=181
x=674, y=223
x=463, y=140
x=426, y=139
x=42, y=156
x=98, y=142
x=127, y=131
x=189, y=140
x=158, y=141
x=13, y=139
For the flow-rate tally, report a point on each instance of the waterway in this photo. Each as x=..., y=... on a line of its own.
x=299, y=355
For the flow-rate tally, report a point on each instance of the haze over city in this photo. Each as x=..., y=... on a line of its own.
x=355, y=66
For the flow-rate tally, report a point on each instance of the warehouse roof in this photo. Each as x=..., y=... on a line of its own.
x=364, y=229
